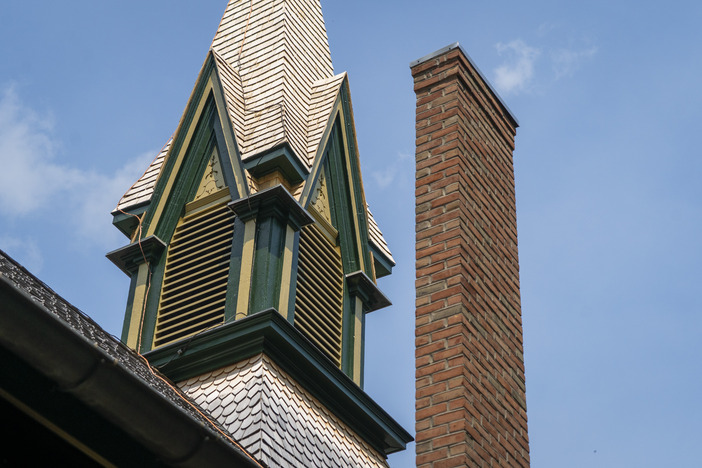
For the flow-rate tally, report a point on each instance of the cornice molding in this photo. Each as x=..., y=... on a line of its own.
x=270, y=333
x=276, y=200
x=129, y=257
x=362, y=286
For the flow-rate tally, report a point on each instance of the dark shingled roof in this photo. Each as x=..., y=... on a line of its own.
x=33, y=318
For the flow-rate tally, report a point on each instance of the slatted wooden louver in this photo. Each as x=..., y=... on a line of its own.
x=195, y=279
x=319, y=295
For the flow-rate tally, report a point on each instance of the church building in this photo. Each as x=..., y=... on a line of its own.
x=253, y=261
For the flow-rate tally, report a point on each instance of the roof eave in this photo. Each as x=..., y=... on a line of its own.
x=55, y=349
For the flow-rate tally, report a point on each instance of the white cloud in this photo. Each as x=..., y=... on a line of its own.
x=387, y=176
x=32, y=179
x=95, y=196
x=522, y=63
x=25, y=251
x=567, y=61
x=517, y=72
x=29, y=177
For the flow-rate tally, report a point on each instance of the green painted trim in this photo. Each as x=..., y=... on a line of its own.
x=355, y=179
x=183, y=190
x=235, y=265
x=270, y=333
x=340, y=162
x=364, y=297
x=321, y=153
x=126, y=222
x=340, y=203
x=137, y=306
x=286, y=287
x=280, y=158
x=293, y=278
x=225, y=160
x=383, y=265
x=274, y=210
x=229, y=139
x=361, y=286
x=208, y=119
x=277, y=199
x=152, y=300
x=129, y=257
x=188, y=178
x=363, y=349
x=128, y=308
x=358, y=341
x=179, y=139
x=267, y=273
x=247, y=260
x=206, y=135
x=347, y=334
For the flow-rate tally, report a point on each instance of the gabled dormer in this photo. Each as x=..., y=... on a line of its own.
x=335, y=270
x=217, y=241
x=182, y=234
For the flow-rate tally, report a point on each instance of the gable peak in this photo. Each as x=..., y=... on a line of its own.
x=276, y=53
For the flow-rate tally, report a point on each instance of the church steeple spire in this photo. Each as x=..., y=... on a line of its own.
x=278, y=56
x=251, y=242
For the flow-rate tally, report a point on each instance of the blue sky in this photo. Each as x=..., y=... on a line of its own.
x=607, y=170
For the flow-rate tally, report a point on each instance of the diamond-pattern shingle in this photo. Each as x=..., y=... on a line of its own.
x=277, y=420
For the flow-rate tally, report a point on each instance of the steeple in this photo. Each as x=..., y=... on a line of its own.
x=277, y=64
x=252, y=247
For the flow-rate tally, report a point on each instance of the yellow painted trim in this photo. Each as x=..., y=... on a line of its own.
x=357, y=229
x=138, y=306
x=327, y=229
x=208, y=201
x=229, y=138
x=357, y=340
x=179, y=159
x=285, y=279
x=323, y=145
x=247, y=255
x=55, y=429
x=211, y=176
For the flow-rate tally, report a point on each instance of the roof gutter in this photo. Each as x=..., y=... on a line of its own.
x=82, y=368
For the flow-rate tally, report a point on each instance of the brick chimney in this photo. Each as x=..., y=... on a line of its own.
x=470, y=392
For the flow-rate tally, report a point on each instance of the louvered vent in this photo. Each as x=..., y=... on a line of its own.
x=319, y=295
x=195, y=279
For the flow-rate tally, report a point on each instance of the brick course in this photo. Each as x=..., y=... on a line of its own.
x=470, y=390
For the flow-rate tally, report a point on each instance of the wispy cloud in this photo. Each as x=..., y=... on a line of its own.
x=29, y=177
x=33, y=179
x=398, y=168
x=566, y=61
x=517, y=72
x=526, y=67
x=96, y=194
x=25, y=251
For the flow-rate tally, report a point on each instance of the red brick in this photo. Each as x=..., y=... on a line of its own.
x=430, y=433
x=469, y=358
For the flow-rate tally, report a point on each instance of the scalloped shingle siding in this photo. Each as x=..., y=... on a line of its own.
x=276, y=420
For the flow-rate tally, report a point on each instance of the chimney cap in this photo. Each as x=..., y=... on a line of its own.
x=456, y=45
